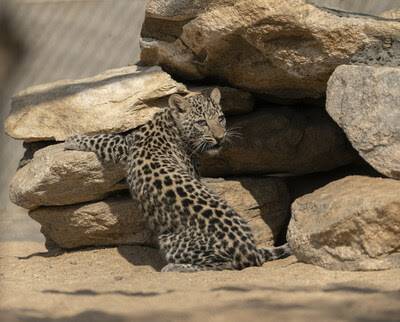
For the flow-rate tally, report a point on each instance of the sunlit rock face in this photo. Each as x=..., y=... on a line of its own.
x=350, y=224
x=285, y=49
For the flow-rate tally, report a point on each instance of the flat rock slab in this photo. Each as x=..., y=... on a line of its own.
x=281, y=140
x=286, y=49
x=114, y=101
x=365, y=102
x=60, y=177
x=350, y=224
x=113, y=221
x=264, y=203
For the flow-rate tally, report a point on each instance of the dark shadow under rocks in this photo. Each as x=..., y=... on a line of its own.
x=281, y=140
x=274, y=204
x=29, y=150
x=299, y=186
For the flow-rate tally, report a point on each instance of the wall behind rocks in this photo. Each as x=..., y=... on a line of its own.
x=64, y=39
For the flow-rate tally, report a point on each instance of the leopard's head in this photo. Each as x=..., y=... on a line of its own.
x=200, y=119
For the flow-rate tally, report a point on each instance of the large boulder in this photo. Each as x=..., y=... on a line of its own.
x=365, y=102
x=60, y=177
x=281, y=140
x=114, y=101
x=350, y=224
x=286, y=49
x=117, y=220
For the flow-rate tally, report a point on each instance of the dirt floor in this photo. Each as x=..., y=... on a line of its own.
x=123, y=284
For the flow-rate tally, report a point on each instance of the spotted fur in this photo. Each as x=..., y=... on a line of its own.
x=108, y=147
x=197, y=230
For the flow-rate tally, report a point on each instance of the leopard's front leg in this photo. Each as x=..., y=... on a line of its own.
x=108, y=147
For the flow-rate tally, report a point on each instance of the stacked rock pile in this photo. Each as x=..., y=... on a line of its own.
x=272, y=61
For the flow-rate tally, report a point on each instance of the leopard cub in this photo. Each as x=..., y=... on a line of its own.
x=197, y=230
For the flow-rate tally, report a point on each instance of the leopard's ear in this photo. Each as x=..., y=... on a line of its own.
x=178, y=103
x=216, y=95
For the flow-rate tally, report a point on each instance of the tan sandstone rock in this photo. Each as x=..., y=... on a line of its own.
x=364, y=101
x=281, y=48
x=114, y=101
x=350, y=224
x=263, y=202
x=59, y=177
x=113, y=221
x=281, y=140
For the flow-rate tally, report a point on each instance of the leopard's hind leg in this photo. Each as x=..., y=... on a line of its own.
x=192, y=251
x=272, y=253
x=190, y=268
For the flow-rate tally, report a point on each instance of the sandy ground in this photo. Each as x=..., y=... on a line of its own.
x=123, y=284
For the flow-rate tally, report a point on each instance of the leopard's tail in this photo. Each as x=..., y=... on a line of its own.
x=272, y=253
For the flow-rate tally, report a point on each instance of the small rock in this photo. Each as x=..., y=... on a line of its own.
x=350, y=224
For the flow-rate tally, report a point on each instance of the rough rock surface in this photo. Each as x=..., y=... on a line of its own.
x=379, y=53
x=280, y=48
x=59, y=177
x=350, y=224
x=264, y=203
x=364, y=101
x=281, y=140
x=113, y=221
x=113, y=101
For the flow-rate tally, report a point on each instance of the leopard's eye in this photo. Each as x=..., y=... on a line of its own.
x=201, y=123
x=221, y=119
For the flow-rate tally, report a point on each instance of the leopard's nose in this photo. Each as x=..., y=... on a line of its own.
x=219, y=138
x=218, y=132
